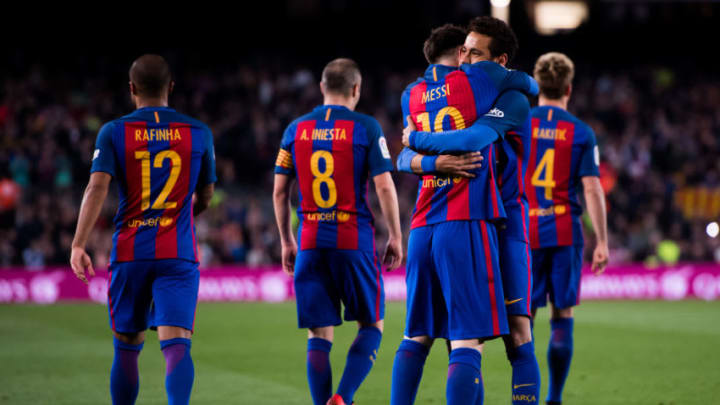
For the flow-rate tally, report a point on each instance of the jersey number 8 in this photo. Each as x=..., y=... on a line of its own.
x=323, y=177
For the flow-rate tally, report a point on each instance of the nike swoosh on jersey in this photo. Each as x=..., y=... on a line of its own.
x=522, y=385
x=512, y=302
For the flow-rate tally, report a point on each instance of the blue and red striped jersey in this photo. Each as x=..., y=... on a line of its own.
x=447, y=99
x=563, y=149
x=158, y=157
x=333, y=152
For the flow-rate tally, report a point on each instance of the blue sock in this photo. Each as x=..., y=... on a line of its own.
x=559, y=356
x=124, y=380
x=407, y=372
x=319, y=373
x=180, y=372
x=464, y=383
x=525, y=374
x=360, y=359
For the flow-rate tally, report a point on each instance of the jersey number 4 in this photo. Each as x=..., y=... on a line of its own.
x=546, y=168
x=324, y=176
x=161, y=202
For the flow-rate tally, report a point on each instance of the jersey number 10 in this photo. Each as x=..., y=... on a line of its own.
x=161, y=202
x=454, y=113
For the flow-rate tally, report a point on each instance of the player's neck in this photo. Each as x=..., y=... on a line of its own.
x=549, y=102
x=151, y=102
x=447, y=61
x=338, y=100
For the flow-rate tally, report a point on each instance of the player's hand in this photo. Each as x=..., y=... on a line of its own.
x=289, y=251
x=600, y=258
x=393, y=254
x=79, y=261
x=459, y=165
x=407, y=131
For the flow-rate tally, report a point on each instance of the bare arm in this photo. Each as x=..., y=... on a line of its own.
x=203, y=195
x=387, y=196
x=281, y=204
x=93, y=199
x=595, y=200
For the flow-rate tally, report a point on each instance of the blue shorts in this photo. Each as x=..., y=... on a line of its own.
x=516, y=274
x=152, y=293
x=556, y=272
x=326, y=277
x=453, y=282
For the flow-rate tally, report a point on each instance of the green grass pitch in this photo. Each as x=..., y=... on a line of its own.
x=625, y=353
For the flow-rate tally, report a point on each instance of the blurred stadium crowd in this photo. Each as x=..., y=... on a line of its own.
x=659, y=136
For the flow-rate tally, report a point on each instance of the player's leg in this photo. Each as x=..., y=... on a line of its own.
x=567, y=263
x=519, y=345
x=422, y=287
x=319, y=372
x=358, y=278
x=318, y=310
x=466, y=256
x=129, y=297
x=175, y=292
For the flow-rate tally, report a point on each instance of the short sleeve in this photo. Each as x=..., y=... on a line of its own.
x=207, y=173
x=590, y=157
x=103, y=159
x=284, y=162
x=379, y=154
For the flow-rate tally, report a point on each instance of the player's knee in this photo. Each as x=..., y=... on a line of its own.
x=325, y=332
x=378, y=325
x=520, y=331
x=130, y=338
x=423, y=340
x=467, y=344
x=173, y=332
x=562, y=312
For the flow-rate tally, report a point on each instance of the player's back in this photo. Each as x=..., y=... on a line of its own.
x=562, y=150
x=445, y=99
x=333, y=151
x=158, y=157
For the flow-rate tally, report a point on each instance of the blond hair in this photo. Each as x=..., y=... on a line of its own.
x=554, y=72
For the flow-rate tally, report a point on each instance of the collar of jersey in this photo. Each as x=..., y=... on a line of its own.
x=154, y=109
x=331, y=106
x=440, y=70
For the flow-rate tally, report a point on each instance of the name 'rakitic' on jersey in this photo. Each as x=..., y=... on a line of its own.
x=327, y=134
x=436, y=93
x=157, y=134
x=549, y=133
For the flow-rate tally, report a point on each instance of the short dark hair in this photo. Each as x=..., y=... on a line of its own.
x=442, y=41
x=340, y=75
x=151, y=75
x=554, y=72
x=503, y=37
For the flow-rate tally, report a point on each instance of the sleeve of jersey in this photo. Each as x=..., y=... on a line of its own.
x=104, y=155
x=379, y=157
x=284, y=162
x=506, y=79
x=474, y=138
x=590, y=158
x=510, y=110
x=207, y=173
